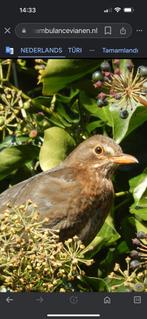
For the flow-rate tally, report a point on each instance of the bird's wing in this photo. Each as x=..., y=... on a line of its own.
x=53, y=191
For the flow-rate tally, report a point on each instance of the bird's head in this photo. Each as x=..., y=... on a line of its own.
x=100, y=152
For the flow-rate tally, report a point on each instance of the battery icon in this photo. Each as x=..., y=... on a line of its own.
x=128, y=10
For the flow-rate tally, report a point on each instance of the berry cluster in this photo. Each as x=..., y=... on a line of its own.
x=140, y=254
x=123, y=89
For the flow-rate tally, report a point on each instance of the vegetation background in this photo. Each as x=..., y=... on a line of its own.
x=46, y=109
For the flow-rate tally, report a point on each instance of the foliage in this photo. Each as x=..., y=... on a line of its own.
x=49, y=107
x=31, y=258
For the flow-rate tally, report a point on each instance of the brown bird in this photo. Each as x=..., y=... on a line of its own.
x=76, y=196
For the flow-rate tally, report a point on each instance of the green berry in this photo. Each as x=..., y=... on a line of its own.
x=105, y=66
x=144, y=86
x=97, y=76
x=142, y=70
x=45, y=124
x=139, y=287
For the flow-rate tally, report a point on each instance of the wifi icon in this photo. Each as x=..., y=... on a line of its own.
x=117, y=9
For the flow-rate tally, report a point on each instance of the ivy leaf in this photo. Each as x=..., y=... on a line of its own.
x=105, y=237
x=138, y=187
x=14, y=157
x=56, y=146
x=60, y=73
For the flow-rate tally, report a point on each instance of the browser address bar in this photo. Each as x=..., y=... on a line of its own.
x=73, y=30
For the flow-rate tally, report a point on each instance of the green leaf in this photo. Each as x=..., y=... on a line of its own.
x=109, y=115
x=106, y=237
x=57, y=144
x=91, y=106
x=93, y=125
x=119, y=126
x=139, y=210
x=13, y=157
x=138, y=118
x=139, y=226
x=97, y=284
x=138, y=187
x=117, y=283
x=67, y=114
x=123, y=66
x=60, y=73
x=58, y=120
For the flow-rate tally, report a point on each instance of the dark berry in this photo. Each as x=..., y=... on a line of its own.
x=134, y=253
x=102, y=102
x=98, y=84
x=124, y=114
x=97, y=76
x=134, y=264
x=141, y=235
x=117, y=96
x=136, y=241
x=129, y=65
x=142, y=70
x=105, y=66
x=105, y=102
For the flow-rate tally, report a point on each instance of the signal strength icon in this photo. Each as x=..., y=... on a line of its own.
x=117, y=9
x=108, y=10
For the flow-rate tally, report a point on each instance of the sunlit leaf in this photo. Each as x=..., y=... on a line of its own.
x=60, y=73
x=13, y=157
x=138, y=187
x=106, y=236
x=57, y=144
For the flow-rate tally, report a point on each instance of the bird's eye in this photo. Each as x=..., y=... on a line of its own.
x=98, y=150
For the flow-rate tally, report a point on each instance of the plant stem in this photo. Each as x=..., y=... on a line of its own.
x=122, y=203
x=123, y=193
x=35, y=104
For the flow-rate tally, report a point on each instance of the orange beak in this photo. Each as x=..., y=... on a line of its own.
x=124, y=159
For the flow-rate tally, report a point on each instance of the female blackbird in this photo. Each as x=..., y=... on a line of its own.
x=76, y=196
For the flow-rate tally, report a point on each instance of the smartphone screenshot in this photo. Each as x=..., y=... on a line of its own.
x=73, y=159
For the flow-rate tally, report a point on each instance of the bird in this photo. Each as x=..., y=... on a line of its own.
x=76, y=196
